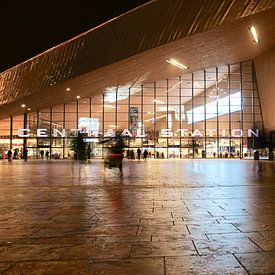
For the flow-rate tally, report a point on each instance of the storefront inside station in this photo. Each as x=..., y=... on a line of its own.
x=211, y=113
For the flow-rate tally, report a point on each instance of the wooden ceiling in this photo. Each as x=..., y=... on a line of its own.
x=133, y=49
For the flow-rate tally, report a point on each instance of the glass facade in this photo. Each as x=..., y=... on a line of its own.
x=211, y=113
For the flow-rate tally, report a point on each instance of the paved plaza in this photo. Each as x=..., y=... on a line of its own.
x=161, y=217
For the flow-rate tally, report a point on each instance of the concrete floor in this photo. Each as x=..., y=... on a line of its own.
x=161, y=217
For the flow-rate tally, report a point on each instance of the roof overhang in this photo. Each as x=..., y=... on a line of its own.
x=225, y=44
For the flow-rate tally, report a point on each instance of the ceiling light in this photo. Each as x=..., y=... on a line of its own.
x=23, y=105
x=254, y=34
x=68, y=89
x=29, y=109
x=177, y=64
x=78, y=97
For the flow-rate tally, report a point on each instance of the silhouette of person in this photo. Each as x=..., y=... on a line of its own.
x=145, y=154
x=138, y=153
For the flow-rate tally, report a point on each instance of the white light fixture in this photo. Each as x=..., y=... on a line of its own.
x=78, y=97
x=68, y=89
x=254, y=34
x=177, y=64
x=29, y=109
x=23, y=105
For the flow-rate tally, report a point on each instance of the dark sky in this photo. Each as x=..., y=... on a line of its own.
x=29, y=27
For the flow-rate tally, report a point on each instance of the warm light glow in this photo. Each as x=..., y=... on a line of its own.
x=177, y=64
x=68, y=89
x=78, y=97
x=23, y=105
x=158, y=101
x=198, y=113
x=110, y=106
x=29, y=109
x=254, y=34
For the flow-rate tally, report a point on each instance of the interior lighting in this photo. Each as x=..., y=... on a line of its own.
x=158, y=101
x=68, y=89
x=254, y=34
x=23, y=105
x=78, y=97
x=177, y=64
x=29, y=109
x=110, y=106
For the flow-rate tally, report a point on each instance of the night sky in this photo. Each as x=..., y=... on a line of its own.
x=30, y=27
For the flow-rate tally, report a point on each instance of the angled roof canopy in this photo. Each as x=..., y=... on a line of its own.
x=134, y=47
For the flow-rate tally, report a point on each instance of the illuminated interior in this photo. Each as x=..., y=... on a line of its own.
x=211, y=105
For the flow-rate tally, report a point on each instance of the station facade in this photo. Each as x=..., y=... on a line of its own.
x=210, y=113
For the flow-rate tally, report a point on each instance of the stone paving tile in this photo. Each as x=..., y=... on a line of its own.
x=163, y=229
x=153, y=249
x=18, y=253
x=113, y=231
x=258, y=263
x=211, y=264
x=97, y=251
x=178, y=238
x=16, y=232
x=255, y=226
x=149, y=222
x=235, y=235
x=58, y=231
x=211, y=228
x=265, y=239
x=4, y=267
x=68, y=240
x=123, y=239
x=154, y=266
x=48, y=267
x=226, y=246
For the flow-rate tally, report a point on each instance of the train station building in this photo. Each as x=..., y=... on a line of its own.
x=181, y=79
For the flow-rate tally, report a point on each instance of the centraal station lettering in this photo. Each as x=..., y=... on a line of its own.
x=43, y=133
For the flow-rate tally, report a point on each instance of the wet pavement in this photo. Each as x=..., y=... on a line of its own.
x=161, y=217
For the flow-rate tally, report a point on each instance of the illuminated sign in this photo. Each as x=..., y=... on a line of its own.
x=24, y=133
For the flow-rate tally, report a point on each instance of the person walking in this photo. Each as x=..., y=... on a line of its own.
x=9, y=155
x=42, y=154
x=138, y=153
x=47, y=154
x=89, y=153
x=145, y=154
x=25, y=154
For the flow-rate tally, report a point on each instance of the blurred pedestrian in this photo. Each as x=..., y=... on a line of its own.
x=145, y=154
x=138, y=153
x=25, y=154
x=9, y=155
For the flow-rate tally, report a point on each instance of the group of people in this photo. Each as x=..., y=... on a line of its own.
x=22, y=154
x=47, y=154
x=131, y=154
